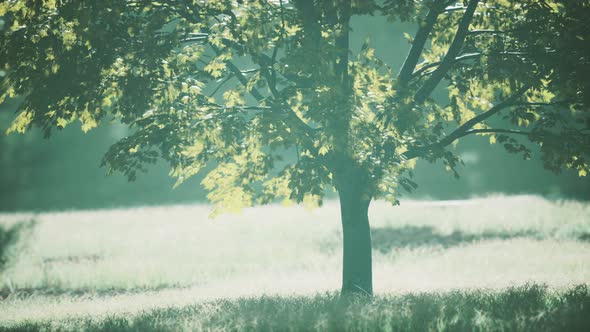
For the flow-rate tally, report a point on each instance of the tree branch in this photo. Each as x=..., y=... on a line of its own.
x=449, y=58
x=465, y=129
x=420, y=39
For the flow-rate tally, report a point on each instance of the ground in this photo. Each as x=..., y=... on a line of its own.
x=495, y=263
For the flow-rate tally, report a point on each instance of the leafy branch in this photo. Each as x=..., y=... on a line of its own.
x=466, y=128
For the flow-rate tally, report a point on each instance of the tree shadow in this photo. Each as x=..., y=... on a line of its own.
x=73, y=259
x=10, y=236
x=385, y=239
x=584, y=237
x=27, y=292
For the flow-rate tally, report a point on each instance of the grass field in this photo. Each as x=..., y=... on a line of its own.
x=497, y=263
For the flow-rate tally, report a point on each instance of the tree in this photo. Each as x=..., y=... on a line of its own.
x=242, y=84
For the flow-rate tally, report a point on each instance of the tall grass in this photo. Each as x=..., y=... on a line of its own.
x=526, y=308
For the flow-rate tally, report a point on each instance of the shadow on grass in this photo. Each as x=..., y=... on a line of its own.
x=584, y=237
x=9, y=238
x=527, y=308
x=23, y=293
x=387, y=238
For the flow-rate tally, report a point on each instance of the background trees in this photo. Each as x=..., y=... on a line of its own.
x=241, y=84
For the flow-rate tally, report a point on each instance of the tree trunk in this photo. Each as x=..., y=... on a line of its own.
x=356, y=240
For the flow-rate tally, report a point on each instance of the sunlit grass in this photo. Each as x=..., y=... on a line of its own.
x=163, y=265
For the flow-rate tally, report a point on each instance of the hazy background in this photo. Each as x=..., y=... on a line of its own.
x=64, y=173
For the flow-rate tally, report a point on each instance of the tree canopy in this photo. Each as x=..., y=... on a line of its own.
x=240, y=84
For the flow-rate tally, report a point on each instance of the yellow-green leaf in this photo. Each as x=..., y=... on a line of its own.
x=61, y=122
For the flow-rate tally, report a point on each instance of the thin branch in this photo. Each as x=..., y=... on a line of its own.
x=553, y=103
x=424, y=67
x=494, y=131
x=214, y=105
x=270, y=78
x=270, y=73
x=427, y=66
x=486, y=31
x=248, y=71
x=420, y=39
x=449, y=58
x=451, y=9
x=259, y=107
x=193, y=39
x=220, y=85
x=243, y=108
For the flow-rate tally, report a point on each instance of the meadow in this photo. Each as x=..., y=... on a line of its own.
x=495, y=264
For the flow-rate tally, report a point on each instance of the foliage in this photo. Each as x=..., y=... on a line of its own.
x=239, y=84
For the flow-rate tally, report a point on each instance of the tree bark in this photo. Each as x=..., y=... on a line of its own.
x=357, y=266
